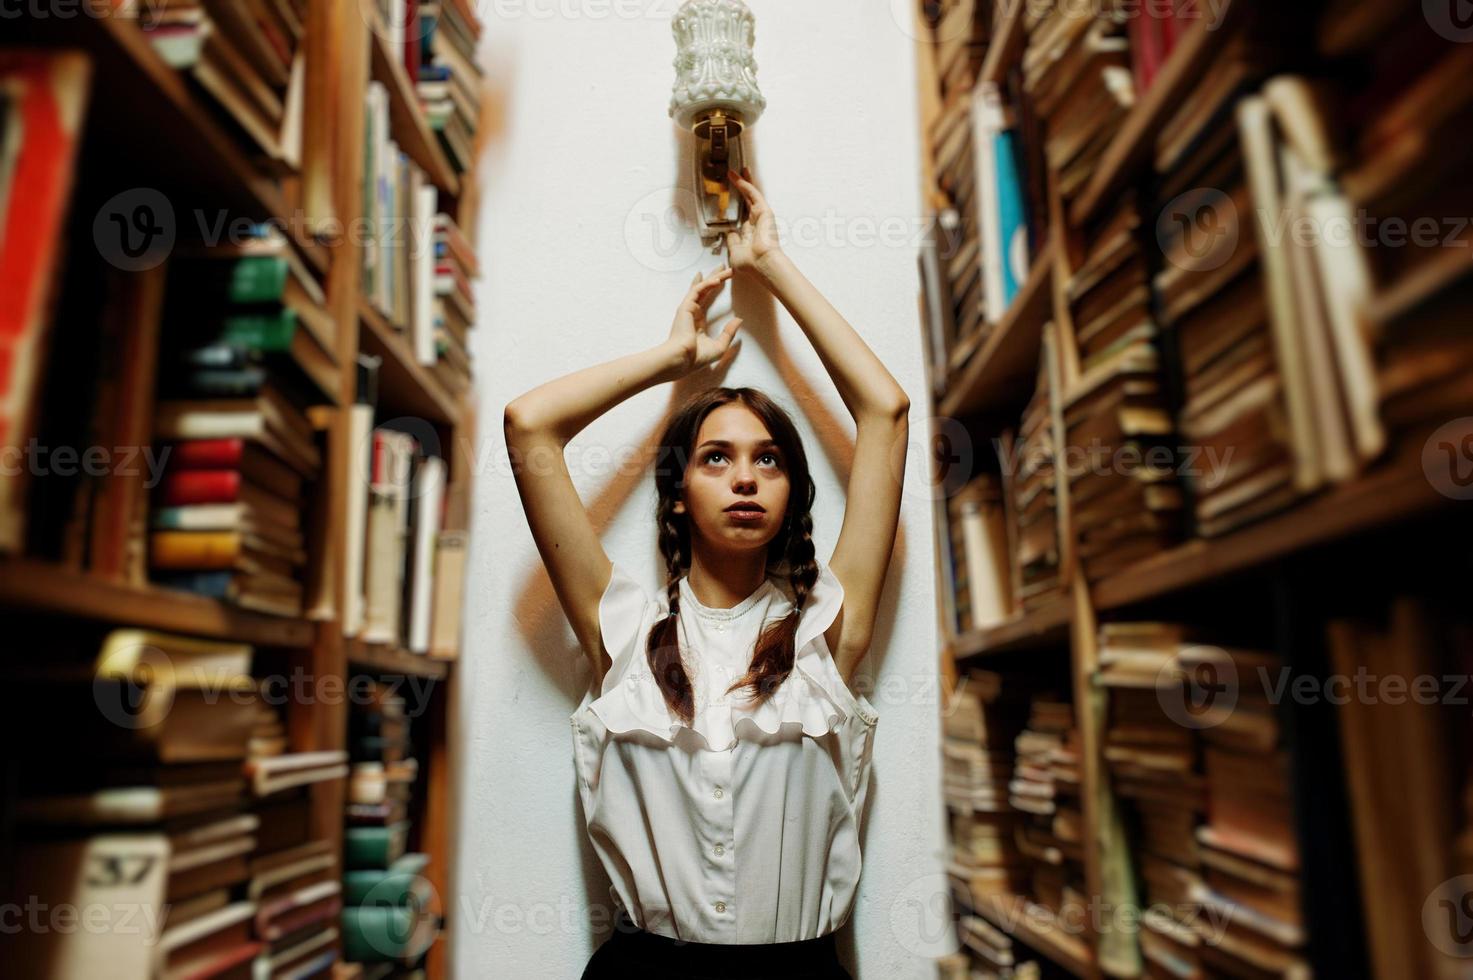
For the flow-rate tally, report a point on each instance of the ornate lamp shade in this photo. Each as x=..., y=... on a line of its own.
x=714, y=65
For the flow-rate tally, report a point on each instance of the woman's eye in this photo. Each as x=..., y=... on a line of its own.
x=712, y=455
x=771, y=456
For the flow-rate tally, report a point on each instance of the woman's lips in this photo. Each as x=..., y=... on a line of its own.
x=747, y=516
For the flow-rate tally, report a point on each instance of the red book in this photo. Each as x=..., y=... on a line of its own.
x=1146, y=48
x=207, y=454
x=46, y=93
x=179, y=488
x=413, y=39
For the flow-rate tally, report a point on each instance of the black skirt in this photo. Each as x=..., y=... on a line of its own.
x=633, y=952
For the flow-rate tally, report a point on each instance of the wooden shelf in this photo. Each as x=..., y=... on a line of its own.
x=1008, y=362
x=1134, y=144
x=1006, y=46
x=1397, y=490
x=157, y=126
x=45, y=587
x=411, y=130
x=1047, y=623
x=1018, y=917
x=385, y=659
x=405, y=385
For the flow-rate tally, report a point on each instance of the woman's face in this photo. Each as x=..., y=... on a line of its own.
x=736, y=482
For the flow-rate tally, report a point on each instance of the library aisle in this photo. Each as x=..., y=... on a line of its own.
x=1173, y=656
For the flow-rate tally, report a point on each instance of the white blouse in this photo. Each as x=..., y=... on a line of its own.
x=743, y=827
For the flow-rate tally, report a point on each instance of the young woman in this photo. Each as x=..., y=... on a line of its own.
x=722, y=758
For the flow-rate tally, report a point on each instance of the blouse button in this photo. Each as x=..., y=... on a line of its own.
x=717, y=793
x=720, y=906
x=720, y=849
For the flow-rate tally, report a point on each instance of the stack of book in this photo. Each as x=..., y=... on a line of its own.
x=1045, y=789
x=454, y=306
x=293, y=879
x=405, y=515
x=1248, y=847
x=1077, y=71
x=958, y=287
x=399, y=208
x=1154, y=767
x=390, y=912
x=980, y=559
x=979, y=728
x=1403, y=117
x=138, y=804
x=246, y=56
x=1211, y=295
x=239, y=451
x=448, y=79
x=1122, y=480
x=992, y=953
x=1031, y=464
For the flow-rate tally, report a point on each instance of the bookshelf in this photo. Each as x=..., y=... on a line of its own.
x=147, y=121
x=1327, y=578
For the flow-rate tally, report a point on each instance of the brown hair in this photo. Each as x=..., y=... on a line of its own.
x=790, y=553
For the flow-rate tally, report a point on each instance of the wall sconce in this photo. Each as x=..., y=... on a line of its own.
x=716, y=97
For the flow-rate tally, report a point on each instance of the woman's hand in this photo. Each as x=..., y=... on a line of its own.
x=688, y=334
x=755, y=243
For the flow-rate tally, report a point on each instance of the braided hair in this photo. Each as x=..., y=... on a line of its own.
x=790, y=553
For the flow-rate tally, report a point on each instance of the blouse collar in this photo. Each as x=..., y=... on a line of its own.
x=688, y=601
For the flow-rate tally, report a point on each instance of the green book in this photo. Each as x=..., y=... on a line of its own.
x=374, y=847
x=384, y=933
x=270, y=332
x=394, y=885
x=258, y=279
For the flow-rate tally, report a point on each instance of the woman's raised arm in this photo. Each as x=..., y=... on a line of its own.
x=539, y=424
x=879, y=406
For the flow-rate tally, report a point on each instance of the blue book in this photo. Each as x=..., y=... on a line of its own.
x=1012, y=216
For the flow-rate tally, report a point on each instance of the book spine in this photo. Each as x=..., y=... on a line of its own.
x=200, y=487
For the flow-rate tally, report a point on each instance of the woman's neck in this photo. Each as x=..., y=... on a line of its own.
x=724, y=582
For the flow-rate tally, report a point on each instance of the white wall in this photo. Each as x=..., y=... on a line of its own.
x=576, y=271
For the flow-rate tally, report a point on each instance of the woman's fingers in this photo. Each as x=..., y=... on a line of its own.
x=749, y=190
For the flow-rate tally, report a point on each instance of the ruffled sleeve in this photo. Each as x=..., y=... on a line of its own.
x=814, y=696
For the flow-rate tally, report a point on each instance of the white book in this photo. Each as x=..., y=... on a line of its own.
x=428, y=503
x=360, y=447
x=424, y=288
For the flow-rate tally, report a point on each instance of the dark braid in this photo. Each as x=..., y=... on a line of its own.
x=774, y=652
